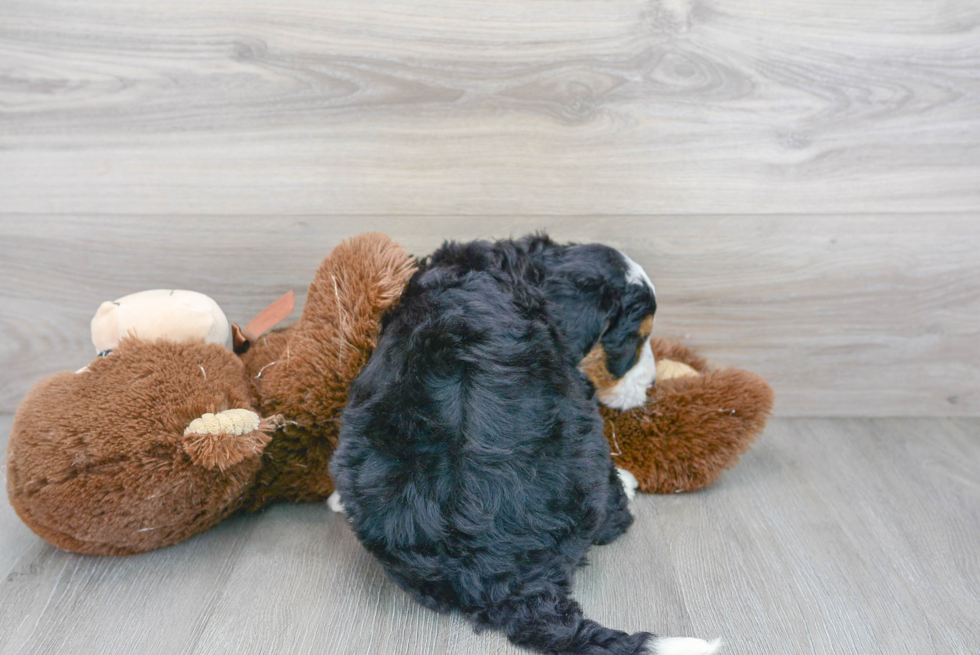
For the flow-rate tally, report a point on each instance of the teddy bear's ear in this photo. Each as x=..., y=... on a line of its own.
x=218, y=441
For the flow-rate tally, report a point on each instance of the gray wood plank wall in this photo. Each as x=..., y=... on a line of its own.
x=875, y=316
x=474, y=107
x=801, y=179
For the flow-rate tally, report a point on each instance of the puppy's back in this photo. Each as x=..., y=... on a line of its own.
x=471, y=458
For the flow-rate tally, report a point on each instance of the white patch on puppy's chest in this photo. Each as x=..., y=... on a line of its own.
x=631, y=389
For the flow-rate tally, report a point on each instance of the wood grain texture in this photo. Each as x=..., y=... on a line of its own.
x=556, y=107
x=845, y=316
x=831, y=536
x=800, y=179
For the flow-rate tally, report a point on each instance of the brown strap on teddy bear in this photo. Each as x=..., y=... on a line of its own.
x=267, y=319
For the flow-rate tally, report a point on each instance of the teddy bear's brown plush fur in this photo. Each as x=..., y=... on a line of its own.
x=303, y=372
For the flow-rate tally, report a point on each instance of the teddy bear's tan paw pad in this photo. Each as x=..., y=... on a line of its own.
x=226, y=438
x=230, y=421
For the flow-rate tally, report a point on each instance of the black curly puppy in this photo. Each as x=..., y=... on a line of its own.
x=472, y=462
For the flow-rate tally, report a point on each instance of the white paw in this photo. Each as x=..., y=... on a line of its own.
x=683, y=646
x=334, y=503
x=630, y=484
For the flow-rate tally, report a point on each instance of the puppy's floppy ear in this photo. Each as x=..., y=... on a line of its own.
x=584, y=303
x=628, y=330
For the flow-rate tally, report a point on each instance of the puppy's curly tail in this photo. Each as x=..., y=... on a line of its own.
x=554, y=623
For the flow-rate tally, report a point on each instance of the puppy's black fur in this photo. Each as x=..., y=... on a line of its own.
x=471, y=461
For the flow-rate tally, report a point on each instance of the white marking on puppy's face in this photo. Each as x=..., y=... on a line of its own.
x=636, y=275
x=682, y=646
x=631, y=390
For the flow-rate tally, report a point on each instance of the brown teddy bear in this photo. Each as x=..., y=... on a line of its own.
x=170, y=431
x=161, y=438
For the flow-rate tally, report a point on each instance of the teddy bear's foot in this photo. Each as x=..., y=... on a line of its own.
x=226, y=438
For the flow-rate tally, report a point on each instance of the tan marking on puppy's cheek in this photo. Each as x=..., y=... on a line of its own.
x=594, y=366
x=646, y=327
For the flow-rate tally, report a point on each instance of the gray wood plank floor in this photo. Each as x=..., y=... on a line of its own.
x=831, y=536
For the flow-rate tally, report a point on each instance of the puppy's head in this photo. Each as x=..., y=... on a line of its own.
x=608, y=303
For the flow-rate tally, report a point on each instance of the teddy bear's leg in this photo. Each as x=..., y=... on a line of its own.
x=692, y=429
x=618, y=515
